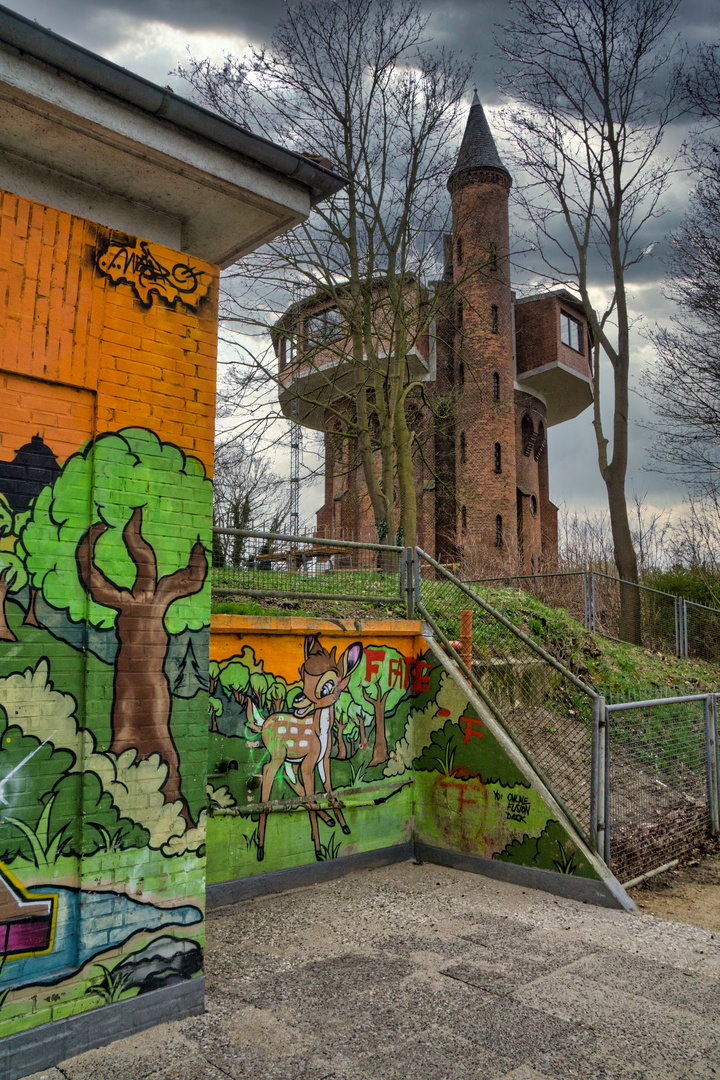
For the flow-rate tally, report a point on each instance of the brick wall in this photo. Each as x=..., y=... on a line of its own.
x=484, y=346
x=107, y=369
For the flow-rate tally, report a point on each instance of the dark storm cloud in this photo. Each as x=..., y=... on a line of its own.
x=119, y=29
x=103, y=26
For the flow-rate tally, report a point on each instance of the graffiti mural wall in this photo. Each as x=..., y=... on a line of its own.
x=107, y=372
x=301, y=710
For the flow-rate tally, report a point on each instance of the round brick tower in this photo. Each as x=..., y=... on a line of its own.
x=481, y=309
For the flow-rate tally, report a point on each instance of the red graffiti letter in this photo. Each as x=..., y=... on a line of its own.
x=421, y=683
x=373, y=659
x=472, y=728
x=396, y=673
x=408, y=661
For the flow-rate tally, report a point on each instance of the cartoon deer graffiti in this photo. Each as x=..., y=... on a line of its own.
x=302, y=739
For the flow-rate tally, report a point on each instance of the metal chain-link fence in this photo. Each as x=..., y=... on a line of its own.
x=667, y=623
x=661, y=777
x=701, y=636
x=267, y=565
x=542, y=705
x=639, y=778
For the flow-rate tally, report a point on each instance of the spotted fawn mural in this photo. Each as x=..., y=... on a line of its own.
x=367, y=741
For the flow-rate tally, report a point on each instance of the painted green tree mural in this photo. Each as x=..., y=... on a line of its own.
x=118, y=541
x=379, y=683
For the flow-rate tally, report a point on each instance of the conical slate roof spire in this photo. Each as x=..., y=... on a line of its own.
x=477, y=149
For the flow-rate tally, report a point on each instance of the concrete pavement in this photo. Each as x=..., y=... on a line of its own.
x=423, y=973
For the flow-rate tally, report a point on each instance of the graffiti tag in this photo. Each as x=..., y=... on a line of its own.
x=148, y=275
x=473, y=728
x=518, y=807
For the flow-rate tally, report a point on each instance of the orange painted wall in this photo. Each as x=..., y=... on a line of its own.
x=90, y=355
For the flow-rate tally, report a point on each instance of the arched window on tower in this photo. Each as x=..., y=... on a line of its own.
x=494, y=326
x=461, y=373
x=527, y=431
x=463, y=517
x=498, y=531
x=463, y=448
x=540, y=441
x=459, y=251
x=493, y=262
x=496, y=386
x=498, y=458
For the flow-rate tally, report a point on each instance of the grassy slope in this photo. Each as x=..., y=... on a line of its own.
x=610, y=666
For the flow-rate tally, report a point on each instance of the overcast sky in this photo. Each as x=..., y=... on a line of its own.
x=151, y=37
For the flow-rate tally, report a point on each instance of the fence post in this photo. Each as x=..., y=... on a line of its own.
x=416, y=563
x=605, y=760
x=711, y=762
x=593, y=604
x=597, y=778
x=685, y=629
x=677, y=626
x=410, y=581
x=586, y=598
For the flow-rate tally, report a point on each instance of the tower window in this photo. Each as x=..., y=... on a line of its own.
x=498, y=531
x=533, y=504
x=324, y=327
x=463, y=448
x=461, y=374
x=287, y=352
x=459, y=250
x=540, y=442
x=571, y=332
x=527, y=431
x=498, y=458
x=494, y=319
x=460, y=315
x=493, y=262
x=463, y=518
x=496, y=386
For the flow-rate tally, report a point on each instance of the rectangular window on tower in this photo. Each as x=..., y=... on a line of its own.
x=323, y=328
x=571, y=332
x=287, y=352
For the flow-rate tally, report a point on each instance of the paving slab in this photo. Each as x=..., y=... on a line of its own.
x=424, y=973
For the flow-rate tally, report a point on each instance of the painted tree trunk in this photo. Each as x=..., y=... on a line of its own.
x=142, y=699
x=142, y=702
x=380, y=750
x=342, y=747
x=31, y=618
x=6, y=633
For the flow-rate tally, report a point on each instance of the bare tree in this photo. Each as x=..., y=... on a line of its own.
x=594, y=87
x=246, y=492
x=353, y=84
x=684, y=384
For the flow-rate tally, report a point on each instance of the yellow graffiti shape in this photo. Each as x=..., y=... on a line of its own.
x=27, y=922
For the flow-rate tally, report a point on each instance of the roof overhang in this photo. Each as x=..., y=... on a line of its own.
x=84, y=135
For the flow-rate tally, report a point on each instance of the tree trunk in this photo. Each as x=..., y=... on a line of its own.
x=406, y=478
x=31, y=618
x=142, y=700
x=380, y=750
x=630, y=625
x=342, y=748
x=6, y=633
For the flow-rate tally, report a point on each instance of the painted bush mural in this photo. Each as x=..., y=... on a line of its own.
x=327, y=740
x=105, y=598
